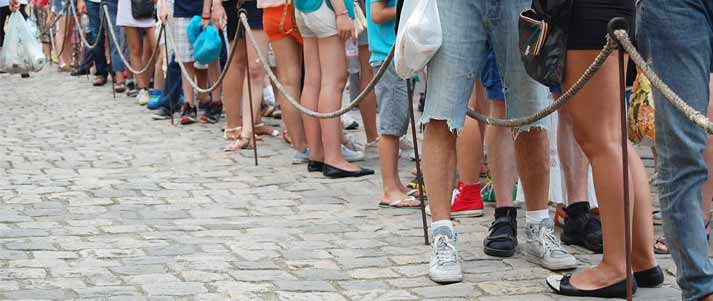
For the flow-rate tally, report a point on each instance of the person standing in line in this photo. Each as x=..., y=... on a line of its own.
x=94, y=12
x=134, y=28
x=7, y=7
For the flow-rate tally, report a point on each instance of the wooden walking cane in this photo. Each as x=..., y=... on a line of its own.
x=250, y=92
x=619, y=24
x=419, y=174
x=105, y=32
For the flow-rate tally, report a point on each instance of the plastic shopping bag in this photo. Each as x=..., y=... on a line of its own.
x=418, y=39
x=21, y=52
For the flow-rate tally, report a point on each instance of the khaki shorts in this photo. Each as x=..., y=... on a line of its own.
x=321, y=23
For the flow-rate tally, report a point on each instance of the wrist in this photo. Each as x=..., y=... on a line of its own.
x=205, y=17
x=342, y=14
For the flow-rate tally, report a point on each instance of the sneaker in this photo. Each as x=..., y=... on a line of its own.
x=582, y=228
x=143, y=97
x=466, y=200
x=300, y=157
x=155, y=99
x=188, y=114
x=545, y=249
x=445, y=263
x=162, y=113
x=131, y=88
x=354, y=145
x=348, y=123
x=212, y=113
x=352, y=156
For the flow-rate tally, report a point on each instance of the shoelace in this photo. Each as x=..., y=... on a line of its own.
x=550, y=242
x=445, y=251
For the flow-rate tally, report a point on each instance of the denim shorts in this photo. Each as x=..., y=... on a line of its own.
x=491, y=80
x=392, y=99
x=58, y=7
x=468, y=26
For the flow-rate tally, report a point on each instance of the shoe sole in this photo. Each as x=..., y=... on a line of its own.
x=499, y=253
x=576, y=242
x=550, y=267
x=446, y=280
x=468, y=213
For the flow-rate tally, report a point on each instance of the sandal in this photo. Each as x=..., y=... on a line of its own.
x=120, y=87
x=240, y=143
x=416, y=194
x=397, y=204
x=230, y=137
x=502, y=239
x=99, y=81
x=660, y=246
x=262, y=129
x=286, y=137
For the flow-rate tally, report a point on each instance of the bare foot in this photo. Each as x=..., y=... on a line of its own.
x=597, y=277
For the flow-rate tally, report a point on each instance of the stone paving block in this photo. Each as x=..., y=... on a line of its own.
x=362, y=285
x=40, y=294
x=240, y=286
x=529, y=297
x=174, y=288
x=261, y=275
x=54, y=283
x=294, y=296
x=458, y=290
x=304, y=286
x=523, y=287
x=385, y=295
x=106, y=291
x=9, y=286
x=21, y=273
x=373, y=273
x=150, y=278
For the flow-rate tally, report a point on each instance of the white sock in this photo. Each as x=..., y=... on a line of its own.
x=536, y=216
x=443, y=223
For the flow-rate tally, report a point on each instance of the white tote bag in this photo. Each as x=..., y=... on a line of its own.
x=21, y=52
x=418, y=39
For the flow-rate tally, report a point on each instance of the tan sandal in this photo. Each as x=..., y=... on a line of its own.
x=229, y=137
x=240, y=143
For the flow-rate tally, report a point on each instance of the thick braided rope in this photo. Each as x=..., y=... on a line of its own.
x=82, y=34
x=696, y=117
x=231, y=54
x=121, y=53
x=559, y=102
x=304, y=110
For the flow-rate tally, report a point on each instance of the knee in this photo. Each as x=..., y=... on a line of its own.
x=256, y=71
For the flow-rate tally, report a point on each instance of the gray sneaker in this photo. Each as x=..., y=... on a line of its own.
x=445, y=263
x=352, y=156
x=544, y=248
x=300, y=157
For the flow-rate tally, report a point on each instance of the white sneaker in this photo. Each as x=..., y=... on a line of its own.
x=143, y=97
x=349, y=123
x=445, y=263
x=544, y=248
x=352, y=156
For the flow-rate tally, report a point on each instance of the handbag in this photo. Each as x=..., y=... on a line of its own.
x=641, y=116
x=142, y=9
x=543, y=40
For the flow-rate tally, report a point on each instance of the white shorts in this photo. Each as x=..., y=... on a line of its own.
x=321, y=23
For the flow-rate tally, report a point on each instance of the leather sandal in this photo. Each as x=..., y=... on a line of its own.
x=99, y=81
x=502, y=231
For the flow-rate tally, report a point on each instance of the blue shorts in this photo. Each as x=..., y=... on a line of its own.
x=467, y=27
x=491, y=80
x=392, y=99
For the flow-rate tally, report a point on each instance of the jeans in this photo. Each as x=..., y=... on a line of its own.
x=172, y=87
x=683, y=60
x=117, y=65
x=468, y=27
x=94, y=11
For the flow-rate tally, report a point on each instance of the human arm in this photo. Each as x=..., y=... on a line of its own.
x=205, y=13
x=163, y=14
x=14, y=5
x=220, y=19
x=345, y=25
x=380, y=13
x=81, y=7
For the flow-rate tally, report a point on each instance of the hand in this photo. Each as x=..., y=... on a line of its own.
x=205, y=23
x=220, y=19
x=163, y=15
x=345, y=27
x=81, y=7
x=14, y=5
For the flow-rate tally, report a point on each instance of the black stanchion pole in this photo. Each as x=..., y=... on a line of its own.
x=107, y=23
x=419, y=174
x=250, y=90
x=618, y=24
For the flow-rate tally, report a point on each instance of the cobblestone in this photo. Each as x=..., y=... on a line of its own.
x=99, y=202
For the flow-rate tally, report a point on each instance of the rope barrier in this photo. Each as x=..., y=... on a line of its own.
x=353, y=104
x=82, y=34
x=49, y=25
x=696, y=117
x=121, y=53
x=231, y=54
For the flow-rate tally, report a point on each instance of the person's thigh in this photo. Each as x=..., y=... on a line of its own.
x=524, y=96
x=456, y=65
x=393, y=100
x=683, y=60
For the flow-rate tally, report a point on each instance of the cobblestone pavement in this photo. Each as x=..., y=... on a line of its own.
x=99, y=202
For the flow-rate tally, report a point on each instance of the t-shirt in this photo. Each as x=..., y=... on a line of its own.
x=381, y=36
x=187, y=8
x=308, y=6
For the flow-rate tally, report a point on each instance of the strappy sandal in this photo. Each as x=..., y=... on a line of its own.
x=397, y=204
x=120, y=87
x=260, y=130
x=660, y=246
x=286, y=137
x=230, y=137
x=509, y=237
x=99, y=81
x=240, y=143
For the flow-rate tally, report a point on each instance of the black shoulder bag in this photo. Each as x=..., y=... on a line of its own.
x=543, y=40
x=142, y=9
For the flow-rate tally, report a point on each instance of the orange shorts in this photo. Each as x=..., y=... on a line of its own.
x=279, y=23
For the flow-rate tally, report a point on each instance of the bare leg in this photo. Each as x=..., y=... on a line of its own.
x=333, y=63
x=158, y=75
x=439, y=151
x=532, y=150
x=367, y=107
x=234, y=91
x=501, y=151
x=575, y=165
x=310, y=98
x=213, y=74
x=389, y=163
x=469, y=148
x=257, y=81
x=288, y=54
x=602, y=145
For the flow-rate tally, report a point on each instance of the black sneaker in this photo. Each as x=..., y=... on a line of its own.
x=162, y=113
x=79, y=72
x=25, y=75
x=212, y=113
x=188, y=114
x=132, y=91
x=502, y=234
x=582, y=228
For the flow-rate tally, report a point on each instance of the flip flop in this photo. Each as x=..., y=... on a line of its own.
x=414, y=193
x=398, y=202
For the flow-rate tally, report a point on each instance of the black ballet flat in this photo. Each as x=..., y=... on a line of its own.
x=652, y=277
x=333, y=172
x=561, y=285
x=315, y=166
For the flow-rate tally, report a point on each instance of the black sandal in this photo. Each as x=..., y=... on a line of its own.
x=502, y=237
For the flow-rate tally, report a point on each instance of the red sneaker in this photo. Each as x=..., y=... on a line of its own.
x=467, y=201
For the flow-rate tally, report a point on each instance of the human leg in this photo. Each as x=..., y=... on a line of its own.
x=288, y=54
x=310, y=99
x=367, y=107
x=94, y=12
x=257, y=82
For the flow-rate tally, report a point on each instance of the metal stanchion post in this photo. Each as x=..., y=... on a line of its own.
x=166, y=61
x=250, y=92
x=615, y=24
x=419, y=173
